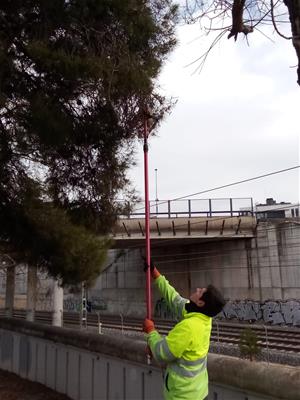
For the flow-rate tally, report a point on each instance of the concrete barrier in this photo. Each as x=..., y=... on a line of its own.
x=96, y=367
x=273, y=380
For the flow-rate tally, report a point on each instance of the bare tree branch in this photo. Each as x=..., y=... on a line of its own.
x=238, y=25
x=275, y=25
x=245, y=16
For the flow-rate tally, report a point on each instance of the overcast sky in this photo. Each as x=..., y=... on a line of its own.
x=237, y=119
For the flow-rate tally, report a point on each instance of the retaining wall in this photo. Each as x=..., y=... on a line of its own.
x=100, y=367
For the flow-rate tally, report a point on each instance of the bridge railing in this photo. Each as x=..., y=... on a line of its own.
x=233, y=206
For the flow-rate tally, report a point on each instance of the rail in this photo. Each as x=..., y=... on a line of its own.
x=234, y=206
x=270, y=338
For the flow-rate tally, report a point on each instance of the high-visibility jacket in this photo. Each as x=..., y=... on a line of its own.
x=184, y=350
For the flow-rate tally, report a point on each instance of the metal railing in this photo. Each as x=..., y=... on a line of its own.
x=238, y=206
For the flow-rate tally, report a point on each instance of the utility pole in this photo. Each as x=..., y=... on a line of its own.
x=83, y=319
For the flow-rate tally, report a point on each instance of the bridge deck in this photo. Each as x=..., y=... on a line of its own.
x=132, y=230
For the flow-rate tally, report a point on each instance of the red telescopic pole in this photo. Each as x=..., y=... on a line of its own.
x=147, y=218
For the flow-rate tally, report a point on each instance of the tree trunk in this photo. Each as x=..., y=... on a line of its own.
x=294, y=13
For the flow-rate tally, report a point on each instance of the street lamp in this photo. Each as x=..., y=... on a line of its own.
x=156, y=197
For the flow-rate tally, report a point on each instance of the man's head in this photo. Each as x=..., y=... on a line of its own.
x=209, y=301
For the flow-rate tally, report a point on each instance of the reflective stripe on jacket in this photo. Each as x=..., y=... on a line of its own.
x=184, y=349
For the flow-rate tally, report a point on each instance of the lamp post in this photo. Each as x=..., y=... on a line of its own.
x=156, y=197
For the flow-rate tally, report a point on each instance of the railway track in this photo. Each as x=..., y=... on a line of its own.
x=274, y=338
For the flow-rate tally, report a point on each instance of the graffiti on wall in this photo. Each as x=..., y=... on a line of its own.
x=74, y=303
x=98, y=303
x=269, y=312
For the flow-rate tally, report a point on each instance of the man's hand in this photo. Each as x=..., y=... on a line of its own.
x=153, y=270
x=148, y=325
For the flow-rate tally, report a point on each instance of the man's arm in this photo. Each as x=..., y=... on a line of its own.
x=169, y=348
x=173, y=299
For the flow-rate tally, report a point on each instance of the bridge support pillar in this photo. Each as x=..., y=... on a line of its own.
x=10, y=291
x=58, y=304
x=31, y=292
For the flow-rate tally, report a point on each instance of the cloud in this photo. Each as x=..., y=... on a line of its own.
x=236, y=119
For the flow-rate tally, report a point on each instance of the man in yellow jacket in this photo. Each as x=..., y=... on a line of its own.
x=184, y=350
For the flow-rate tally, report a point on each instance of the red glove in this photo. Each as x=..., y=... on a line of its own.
x=148, y=325
x=155, y=273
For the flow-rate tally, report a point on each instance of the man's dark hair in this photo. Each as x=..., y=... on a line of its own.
x=214, y=301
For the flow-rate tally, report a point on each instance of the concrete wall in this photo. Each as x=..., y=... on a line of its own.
x=98, y=367
x=260, y=276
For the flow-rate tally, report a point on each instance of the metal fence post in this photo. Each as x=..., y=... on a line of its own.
x=218, y=335
x=267, y=344
x=122, y=323
x=83, y=313
x=99, y=324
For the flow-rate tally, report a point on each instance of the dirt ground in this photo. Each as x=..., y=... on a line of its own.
x=14, y=388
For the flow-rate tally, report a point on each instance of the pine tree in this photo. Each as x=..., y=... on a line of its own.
x=74, y=77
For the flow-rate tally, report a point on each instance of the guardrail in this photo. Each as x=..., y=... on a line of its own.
x=238, y=206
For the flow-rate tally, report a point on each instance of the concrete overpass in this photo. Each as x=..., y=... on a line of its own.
x=186, y=224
